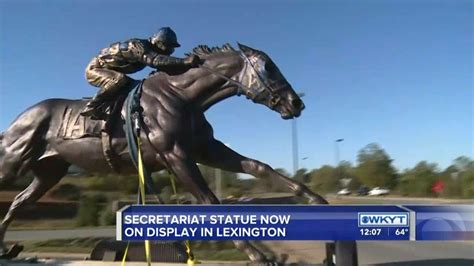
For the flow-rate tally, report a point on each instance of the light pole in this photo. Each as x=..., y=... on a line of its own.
x=336, y=143
x=302, y=163
x=294, y=136
x=218, y=173
x=218, y=181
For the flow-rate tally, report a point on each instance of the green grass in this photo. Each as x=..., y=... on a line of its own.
x=228, y=254
x=217, y=250
x=203, y=250
x=49, y=224
x=43, y=224
x=77, y=245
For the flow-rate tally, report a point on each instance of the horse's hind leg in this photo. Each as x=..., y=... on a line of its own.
x=15, y=163
x=223, y=157
x=12, y=167
x=48, y=172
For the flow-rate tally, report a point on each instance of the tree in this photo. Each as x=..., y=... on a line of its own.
x=463, y=163
x=282, y=171
x=229, y=180
x=467, y=182
x=459, y=178
x=375, y=167
x=302, y=175
x=324, y=179
x=346, y=173
x=464, y=176
x=418, y=181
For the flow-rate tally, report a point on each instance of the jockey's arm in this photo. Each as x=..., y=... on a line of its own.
x=162, y=61
x=137, y=51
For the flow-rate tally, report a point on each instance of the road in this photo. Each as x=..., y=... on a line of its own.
x=14, y=235
x=382, y=252
x=352, y=199
x=370, y=252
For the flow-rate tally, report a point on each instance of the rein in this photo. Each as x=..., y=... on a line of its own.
x=252, y=93
x=240, y=86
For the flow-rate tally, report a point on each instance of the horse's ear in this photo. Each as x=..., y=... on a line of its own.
x=247, y=50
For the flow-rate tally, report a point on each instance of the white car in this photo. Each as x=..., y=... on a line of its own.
x=344, y=192
x=377, y=191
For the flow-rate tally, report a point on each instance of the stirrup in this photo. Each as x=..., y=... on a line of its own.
x=87, y=111
x=94, y=114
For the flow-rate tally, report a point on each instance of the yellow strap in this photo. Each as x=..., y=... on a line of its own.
x=142, y=190
x=141, y=180
x=191, y=259
x=141, y=177
x=125, y=254
x=141, y=183
x=173, y=184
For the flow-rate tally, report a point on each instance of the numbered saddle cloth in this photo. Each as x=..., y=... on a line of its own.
x=75, y=126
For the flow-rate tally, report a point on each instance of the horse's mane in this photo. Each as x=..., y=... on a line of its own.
x=202, y=50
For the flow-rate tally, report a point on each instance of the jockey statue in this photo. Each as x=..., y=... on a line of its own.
x=108, y=70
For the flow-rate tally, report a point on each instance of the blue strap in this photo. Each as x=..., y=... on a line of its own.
x=133, y=123
x=130, y=105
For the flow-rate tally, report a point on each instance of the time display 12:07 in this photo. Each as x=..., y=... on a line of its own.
x=370, y=231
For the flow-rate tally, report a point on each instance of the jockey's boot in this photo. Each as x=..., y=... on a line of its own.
x=92, y=108
x=97, y=107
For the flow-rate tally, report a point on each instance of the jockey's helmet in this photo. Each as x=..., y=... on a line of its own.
x=165, y=39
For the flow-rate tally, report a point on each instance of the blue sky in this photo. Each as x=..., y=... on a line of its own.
x=398, y=73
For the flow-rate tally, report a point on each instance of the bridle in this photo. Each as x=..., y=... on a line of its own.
x=251, y=93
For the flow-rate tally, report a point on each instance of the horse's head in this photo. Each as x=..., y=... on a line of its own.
x=264, y=84
x=227, y=72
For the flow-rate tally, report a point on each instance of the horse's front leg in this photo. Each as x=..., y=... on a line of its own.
x=187, y=172
x=220, y=156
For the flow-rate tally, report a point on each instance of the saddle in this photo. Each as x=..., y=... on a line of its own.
x=75, y=126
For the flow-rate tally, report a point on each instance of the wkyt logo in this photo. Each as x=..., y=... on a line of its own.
x=371, y=219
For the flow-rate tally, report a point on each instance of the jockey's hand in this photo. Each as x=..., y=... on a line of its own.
x=192, y=61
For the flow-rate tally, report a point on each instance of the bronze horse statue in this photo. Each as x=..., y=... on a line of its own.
x=176, y=134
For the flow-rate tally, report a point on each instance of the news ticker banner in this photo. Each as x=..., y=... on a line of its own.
x=295, y=222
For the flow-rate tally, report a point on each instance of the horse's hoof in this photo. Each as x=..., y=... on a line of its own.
x=12, y=253
x=271, y=261
x=266, y=263
x=318, y=201
x=283, y=258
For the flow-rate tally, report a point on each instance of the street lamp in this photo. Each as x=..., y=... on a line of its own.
x=218, y=181
x=294, y=134
x=302, y=163
x=336, y=146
